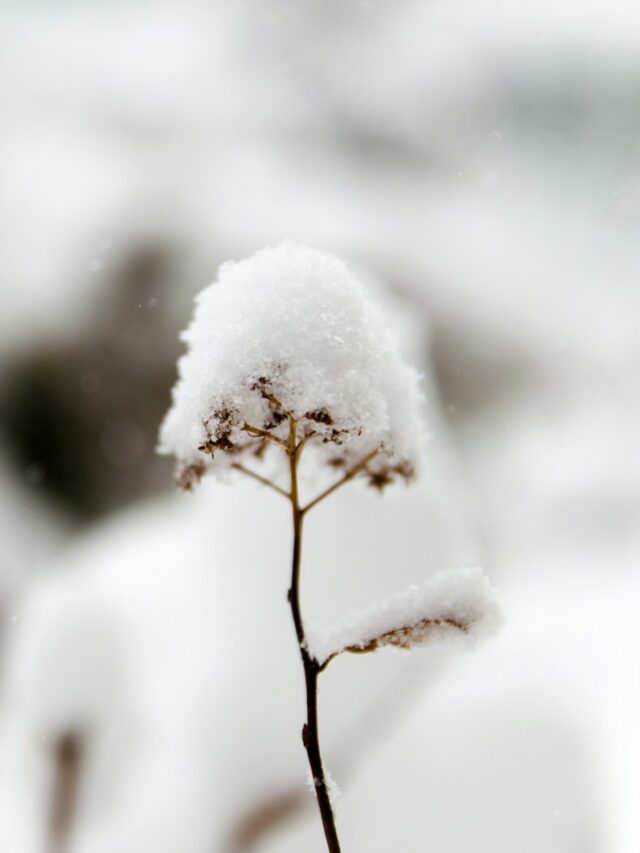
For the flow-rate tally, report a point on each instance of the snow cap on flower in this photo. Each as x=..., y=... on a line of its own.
x=290, y=333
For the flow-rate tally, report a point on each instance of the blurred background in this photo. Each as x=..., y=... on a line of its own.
x=479, y=164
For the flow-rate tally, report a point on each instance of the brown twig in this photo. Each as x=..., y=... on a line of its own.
x=311, y=667
x=265, y=482
x=310, y=735
x=267, y=395
x=400, y=637
x=262, y=433
x=300, y=445
x=350, y=474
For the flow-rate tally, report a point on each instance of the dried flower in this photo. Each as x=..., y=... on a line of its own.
x=290, y=332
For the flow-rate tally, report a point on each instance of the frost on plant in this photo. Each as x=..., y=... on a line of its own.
x=334, y=789
x=289, y=332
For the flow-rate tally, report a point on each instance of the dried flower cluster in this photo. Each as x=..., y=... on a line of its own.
x=289, y=333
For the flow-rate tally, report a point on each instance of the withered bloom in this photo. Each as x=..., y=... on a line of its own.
x=290, y=332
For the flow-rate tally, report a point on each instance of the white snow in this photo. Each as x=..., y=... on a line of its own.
x=296, y=323
x=458, y=606
x=333, y=789
x=371, y=133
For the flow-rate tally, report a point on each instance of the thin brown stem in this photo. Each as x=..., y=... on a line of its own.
x=256, y=432
x=350, y=474
x=267, y=395
x=399, y=637
x=265, y=482
x=310, y=735
x=311, y=667
x=300, y=445
x=325, y=663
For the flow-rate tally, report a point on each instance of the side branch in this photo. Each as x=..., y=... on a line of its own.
x=265, y=482
x=255, y=432
x=351, y=473
x=303, y=441
x=402, y=637
x=267, y=395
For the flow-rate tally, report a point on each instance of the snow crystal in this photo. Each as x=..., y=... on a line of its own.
x=457, y=605
x=333, y=789
x=290, y=331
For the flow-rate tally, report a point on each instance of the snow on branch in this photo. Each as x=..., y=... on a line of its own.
x=458, y=606
x=288, y=334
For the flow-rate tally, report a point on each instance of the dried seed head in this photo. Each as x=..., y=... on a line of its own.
x=290, y=335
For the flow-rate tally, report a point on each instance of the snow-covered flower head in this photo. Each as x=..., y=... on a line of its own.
x=287, y=334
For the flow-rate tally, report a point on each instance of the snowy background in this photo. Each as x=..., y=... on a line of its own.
x=479, y=164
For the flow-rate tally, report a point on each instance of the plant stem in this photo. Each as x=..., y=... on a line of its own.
x=310, y=736
x=255, y=432
x=260, y=479
x=312, y=668
x=351, y=473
